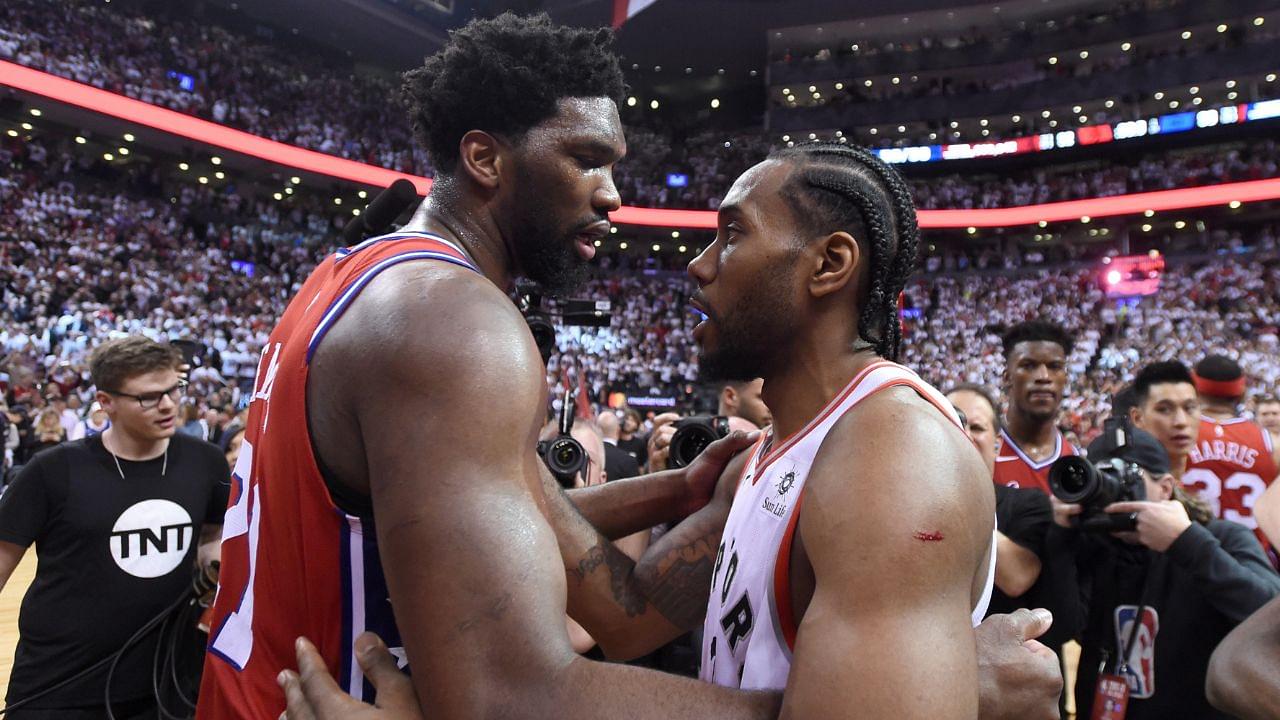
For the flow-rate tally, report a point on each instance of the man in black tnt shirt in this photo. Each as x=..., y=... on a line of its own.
x=1185, y=576
x=116, y=519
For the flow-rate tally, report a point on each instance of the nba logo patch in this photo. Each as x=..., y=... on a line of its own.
x=1141, y=674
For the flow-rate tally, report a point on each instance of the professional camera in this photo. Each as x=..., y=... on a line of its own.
x=1095, y=486
x=693, y=435
x=563, y=455
x=542, y=313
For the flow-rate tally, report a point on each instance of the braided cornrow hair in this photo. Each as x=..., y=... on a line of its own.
x=844, y=187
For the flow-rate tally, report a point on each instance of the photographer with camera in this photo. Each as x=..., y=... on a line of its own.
x=1159, y=582
x=675, y=441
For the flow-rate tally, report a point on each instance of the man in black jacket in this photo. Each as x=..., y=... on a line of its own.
x=1186, y=577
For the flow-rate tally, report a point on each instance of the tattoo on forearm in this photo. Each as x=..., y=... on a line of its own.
x=627, y=595
x=679, y=587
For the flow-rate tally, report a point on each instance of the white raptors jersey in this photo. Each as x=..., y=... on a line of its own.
x=749, y=630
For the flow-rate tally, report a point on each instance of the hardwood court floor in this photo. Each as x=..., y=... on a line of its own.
x=10, y=600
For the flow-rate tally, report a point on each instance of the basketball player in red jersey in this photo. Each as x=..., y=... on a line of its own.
x=1233, y=460
x=838, y=575
x=1035, y=377
x=402, y=384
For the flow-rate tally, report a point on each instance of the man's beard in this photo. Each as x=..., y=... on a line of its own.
x=751, y=334
x=546, y=254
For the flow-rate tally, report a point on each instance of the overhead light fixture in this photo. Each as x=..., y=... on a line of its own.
x=128, y=137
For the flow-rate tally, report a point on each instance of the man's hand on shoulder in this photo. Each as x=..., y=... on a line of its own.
x=704, y=474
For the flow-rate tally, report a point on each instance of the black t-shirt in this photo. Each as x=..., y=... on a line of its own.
x=636, y=448
x=1024, y=515
x=112, y=554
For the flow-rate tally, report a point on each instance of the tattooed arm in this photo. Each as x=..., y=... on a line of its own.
x=632, y=608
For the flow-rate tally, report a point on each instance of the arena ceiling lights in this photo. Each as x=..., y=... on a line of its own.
x=203, y=131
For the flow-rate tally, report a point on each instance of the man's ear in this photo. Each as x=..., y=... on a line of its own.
x=729, y=396
x=1166, y=483
x=481, y=157
x=836, y=264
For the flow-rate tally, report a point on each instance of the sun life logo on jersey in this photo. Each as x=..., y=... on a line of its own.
x=151, y=538
x=775, y=505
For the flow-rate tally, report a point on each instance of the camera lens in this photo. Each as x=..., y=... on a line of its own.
x=693, y=435
x=1073, y=480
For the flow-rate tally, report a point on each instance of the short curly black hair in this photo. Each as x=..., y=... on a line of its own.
x=1159, y=373
x=1037, y=331
x=504, y=76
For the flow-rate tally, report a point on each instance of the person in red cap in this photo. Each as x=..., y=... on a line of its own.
x=1233, y=460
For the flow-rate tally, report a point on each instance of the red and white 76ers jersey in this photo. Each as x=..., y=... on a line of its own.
x=750, y=631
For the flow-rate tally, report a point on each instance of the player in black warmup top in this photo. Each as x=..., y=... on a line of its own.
x=116, y=519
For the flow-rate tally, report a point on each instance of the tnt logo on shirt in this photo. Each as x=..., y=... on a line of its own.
x=151, y=538
x=1142, y=657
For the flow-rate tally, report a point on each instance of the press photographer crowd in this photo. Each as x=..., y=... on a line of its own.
x=627, y=400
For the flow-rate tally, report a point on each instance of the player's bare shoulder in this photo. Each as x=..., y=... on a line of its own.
x=440, y=319
x=906, y=457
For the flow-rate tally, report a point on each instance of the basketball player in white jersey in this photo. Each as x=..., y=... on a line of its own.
x=849, y=552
